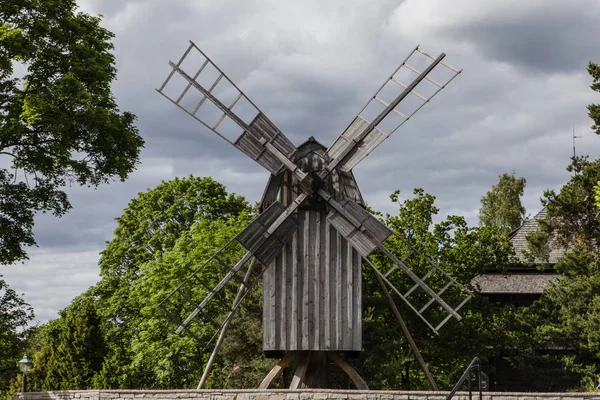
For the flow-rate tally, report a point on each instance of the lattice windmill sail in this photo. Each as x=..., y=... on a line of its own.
x=313, y=232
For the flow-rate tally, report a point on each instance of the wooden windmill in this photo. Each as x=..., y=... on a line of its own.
x=313, y=233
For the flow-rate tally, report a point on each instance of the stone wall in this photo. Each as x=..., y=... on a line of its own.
x=305, y=394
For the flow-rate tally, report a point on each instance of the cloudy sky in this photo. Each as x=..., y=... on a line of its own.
x=310, y=66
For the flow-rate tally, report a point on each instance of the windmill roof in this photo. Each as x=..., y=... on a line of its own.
x=518, y=239
x=532, y=283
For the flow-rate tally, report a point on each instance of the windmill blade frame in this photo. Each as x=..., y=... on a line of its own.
x=313, y=231
x=248, y=132
x=363, y=135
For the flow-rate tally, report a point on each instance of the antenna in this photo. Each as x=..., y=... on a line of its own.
x=575, y=137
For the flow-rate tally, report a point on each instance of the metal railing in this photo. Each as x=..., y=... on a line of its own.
x=475, y=364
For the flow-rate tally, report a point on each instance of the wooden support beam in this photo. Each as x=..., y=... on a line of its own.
x=301, y=366
x=277, y=370
x=240, y=293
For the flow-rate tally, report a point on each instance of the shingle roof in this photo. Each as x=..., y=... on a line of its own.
x=517, y=283
x=519, y=241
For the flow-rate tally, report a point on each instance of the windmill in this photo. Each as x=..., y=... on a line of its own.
x=313, y=233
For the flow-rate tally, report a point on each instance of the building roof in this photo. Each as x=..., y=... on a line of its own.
x=518, y=238
x=531, y=283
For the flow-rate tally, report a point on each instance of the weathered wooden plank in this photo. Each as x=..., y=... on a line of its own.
x=251, y=236
x=281, y=319
x=375, y=228
x=348, y=299
x=329, y=259
x=294, y=317
x=357, y=310
x=268, y=288
x=305, y=280
x=369, y=143
x=359, y=240
x=343, y=298
x=301, y=366
x=316, y=283
x=275, y=294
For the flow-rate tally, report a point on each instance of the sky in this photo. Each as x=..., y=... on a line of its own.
x=310, y=66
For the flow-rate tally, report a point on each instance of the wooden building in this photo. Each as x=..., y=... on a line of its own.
x=312, y=290
x=523, y=282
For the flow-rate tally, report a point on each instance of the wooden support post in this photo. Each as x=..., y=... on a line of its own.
x=239, y=295
x=277, y=370
x=301, y=366
x=412, y=343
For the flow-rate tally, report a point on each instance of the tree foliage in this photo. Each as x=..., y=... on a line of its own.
x=169, y=231
x=594, y=109
x=162, y=236
x=59, y=123
x=567, y=315
x=462, y=251
x=71, y=349
x=571, y=216
x=501, y=206
x=15, y=315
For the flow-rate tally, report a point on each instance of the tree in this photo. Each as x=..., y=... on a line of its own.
x=113, y=336
x=566, y=317
x=501, y=206
x=571, y=215
x=594, y=109
x=147, y=232
x=15, y=315
x=151, y=225
x=59, y=123
x=71, y=349
x=462, y=251
x=167, y=360
x=567, y=314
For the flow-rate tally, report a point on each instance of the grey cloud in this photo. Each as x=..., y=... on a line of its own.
x=310, y=67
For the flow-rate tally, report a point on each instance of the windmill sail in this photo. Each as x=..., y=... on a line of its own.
x=384, y=112
x=228, y=112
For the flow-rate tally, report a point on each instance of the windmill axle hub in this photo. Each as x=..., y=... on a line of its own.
x=311, y=183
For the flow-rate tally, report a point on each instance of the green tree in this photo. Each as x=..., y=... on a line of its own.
x=15, y=315
x=567, y=315
x=501, y=206
x=59, y=123
x=70, y=350
x=113, y=336
x=462, y=251
x=149, y=228
x=594, y=109
x=167, y=360
x=571, y=215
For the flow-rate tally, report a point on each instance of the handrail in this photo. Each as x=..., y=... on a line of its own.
x=467, y=374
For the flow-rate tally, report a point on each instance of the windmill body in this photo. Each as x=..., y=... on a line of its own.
x=312, y=289
x=313, y=234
